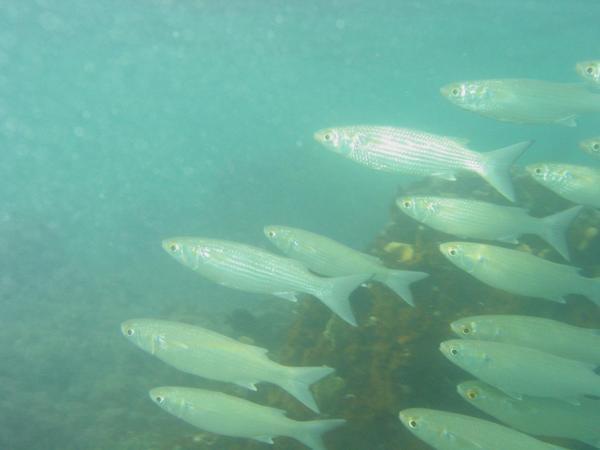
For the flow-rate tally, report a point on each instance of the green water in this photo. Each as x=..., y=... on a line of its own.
x=126, y=122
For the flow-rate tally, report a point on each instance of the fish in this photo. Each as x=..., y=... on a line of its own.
x=589, y=71
x=414, y=152
x=524, y=101
x=591, y=146
x=537, y=416
x=578, y=184
x=328, y=257
x=252, y=269
x=199, y=351
x=519, y=371
x=481, y=220
x=547, y=335
x=520, y=273
x=226, y=415
x=450, y=431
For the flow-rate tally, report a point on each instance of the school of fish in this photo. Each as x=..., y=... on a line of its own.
x=535, y=375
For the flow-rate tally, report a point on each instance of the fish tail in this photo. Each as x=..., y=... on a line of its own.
x=593, y=292
x=399, y=281
x=495, y=167
x=554, y=229
x=337, y=292
x=297, y=382
x=311, y=433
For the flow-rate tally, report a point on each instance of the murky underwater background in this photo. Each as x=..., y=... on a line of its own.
x=126, y=122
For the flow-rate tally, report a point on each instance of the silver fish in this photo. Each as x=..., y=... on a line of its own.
x=579, y=184
x=328, y=257
x=223, y=414
x=480, y=220
x=519, y=272
x=524, y=101
x=519, y=371
x=589, y=71
x=537, y=416
x=211, y=355
x=252, y=269
x=568, y=341
x=450, y=431
x=415, y=152
x=591, y=146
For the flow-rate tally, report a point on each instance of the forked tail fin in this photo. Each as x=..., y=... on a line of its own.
x=399, y=281
x=495, y=167
x=336, y=294
x=311, y=433
x=554, y=229
x=297, y=381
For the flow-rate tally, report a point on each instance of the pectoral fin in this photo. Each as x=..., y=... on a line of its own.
x=247, y=385
x=290, y=296
x=568, y=121
x=265, y=439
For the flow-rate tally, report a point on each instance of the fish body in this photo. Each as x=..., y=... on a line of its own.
x=480, y=220
x=418, y=153
x=524, y=101
x=328, y=257
x=519, y=272
x=223, y=414
x=591, y=146
x=589, y=71
x=519, y=371
x=537, y=416
x=578, y=184
x=568, y=341
x=252, y=269
x=211, y=355
x=450, y=431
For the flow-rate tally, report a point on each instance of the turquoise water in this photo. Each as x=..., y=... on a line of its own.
x=126, y=122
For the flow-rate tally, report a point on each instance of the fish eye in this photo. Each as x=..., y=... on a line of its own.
x=589, y=70
x=271, y=233
x=455, y=91
x=453, y=351
x=452, y=252
x=466, y=330
x=472, y=394
x=174, y=247
x=130, y=331
x=595, y=146
x=412, y=423
x=538, y=170
x=407, y=203
x=327, y=136
x=159, y=399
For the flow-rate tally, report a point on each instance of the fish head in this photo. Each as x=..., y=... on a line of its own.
x=416, y=420
x=142, y=333
x=589, y=70
x=471, y=95
x=431, y=426
x=477, y=327
x=419, y=208
x=330, y=138
x=282, y=237
x=473, y=391
x=168, y=398
x=466, y=354
x=341, y=140
x=188, y=251
x=465, y=328
x=550, y=175
x=591, y=146
x=464, y=255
